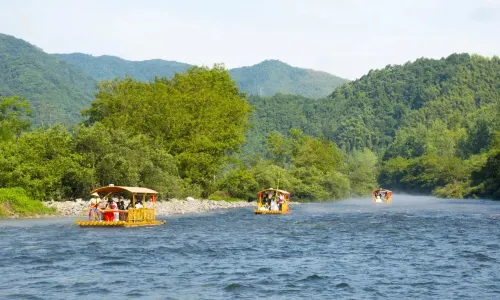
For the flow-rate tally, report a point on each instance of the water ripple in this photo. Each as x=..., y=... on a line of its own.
x=418, y=247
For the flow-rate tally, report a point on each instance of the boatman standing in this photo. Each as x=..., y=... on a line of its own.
x=94, y=211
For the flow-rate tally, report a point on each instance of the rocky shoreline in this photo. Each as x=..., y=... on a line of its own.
x=163, y=208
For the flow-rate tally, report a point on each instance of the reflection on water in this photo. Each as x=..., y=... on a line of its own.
x=416, y=247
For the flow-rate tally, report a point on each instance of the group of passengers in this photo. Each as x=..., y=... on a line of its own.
x=380, y=196
x=272, y=203
x=110, y=211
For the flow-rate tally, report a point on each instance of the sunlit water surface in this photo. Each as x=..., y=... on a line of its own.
x=417, y=247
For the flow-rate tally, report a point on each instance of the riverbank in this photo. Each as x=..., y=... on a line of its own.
x=162, y=208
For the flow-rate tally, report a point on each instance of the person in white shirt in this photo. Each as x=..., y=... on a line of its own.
x=274, y=205
x=116, y=215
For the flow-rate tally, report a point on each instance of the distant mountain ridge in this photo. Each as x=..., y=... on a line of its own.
x=59, y=86
x=56, y=90
x=109, y=67
x=273, y=76
x=264, y=79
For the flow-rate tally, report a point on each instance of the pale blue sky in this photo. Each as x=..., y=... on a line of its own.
x=345, y=38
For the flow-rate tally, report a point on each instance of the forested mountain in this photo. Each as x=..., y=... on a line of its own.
x=433, y=123
x=273, y=76
x=110, y=67
x=265, y=79
x=59, y=86
x=56, y=90
x=368, y=112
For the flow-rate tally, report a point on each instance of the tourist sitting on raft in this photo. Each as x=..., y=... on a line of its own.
x=269, y=198
x=139, y=204
x=121, y=206
x=129, y=206
x=273, y=203
x=96, y=213
x=110, y=215
x=266, y=201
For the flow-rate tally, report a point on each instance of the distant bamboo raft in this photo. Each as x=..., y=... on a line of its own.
x=270, y=212
x=277, y=195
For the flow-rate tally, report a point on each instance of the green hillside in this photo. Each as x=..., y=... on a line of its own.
x=109, y=67
x=265, y=79
x=369, y=111
x=59, y=86
x=56, y=90
x=273, y=76
x=434, y=123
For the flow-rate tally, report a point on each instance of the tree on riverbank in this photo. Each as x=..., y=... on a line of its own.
x=311, y=169
x=173, y=135
x=199, y=117
x=14, y=113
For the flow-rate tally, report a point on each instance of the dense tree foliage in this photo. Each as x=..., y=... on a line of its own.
x=56, y=90
x=53, y=164
x=176, y=135
x=14, y=113
x=310, y=168
x=198, y=116
x=447, y=144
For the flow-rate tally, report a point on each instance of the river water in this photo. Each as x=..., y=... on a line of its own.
x=417, y=247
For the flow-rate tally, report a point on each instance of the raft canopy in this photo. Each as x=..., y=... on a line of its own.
x=119, y=189
x=388, y=192
x=275, y=190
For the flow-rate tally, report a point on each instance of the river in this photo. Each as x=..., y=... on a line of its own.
x=416, y=247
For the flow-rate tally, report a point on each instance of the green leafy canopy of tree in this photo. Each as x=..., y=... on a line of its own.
x=199, y=117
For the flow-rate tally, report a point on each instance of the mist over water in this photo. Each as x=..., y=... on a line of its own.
x=417, y=247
